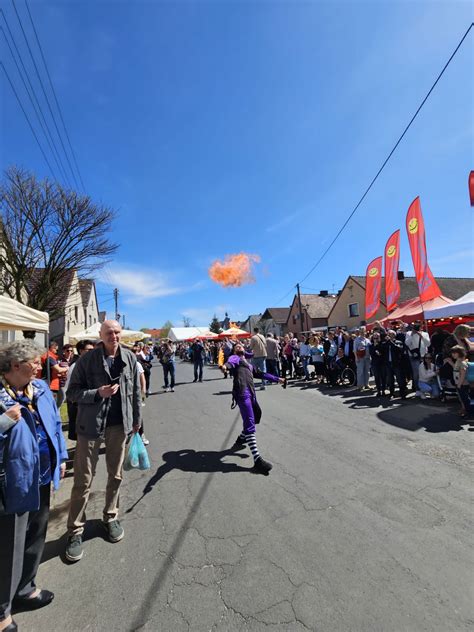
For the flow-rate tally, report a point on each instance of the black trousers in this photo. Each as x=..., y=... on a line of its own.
x=272, y=367
x=72, y=416
x=22, y=538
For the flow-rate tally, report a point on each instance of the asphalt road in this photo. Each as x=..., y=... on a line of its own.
x=364, y=523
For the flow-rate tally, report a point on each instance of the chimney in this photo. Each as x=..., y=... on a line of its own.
x=401, y=275
x=323, y=293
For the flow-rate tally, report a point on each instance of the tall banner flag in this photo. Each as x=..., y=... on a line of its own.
x=471, y=187
x=427, y=286
x=373, y=286
x=392, y=258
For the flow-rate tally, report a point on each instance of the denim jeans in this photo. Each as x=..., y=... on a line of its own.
x=260, y=364
x=415, y=370
x=363, y=371
x=198, y=364
x=429, y=387
x=169, y=370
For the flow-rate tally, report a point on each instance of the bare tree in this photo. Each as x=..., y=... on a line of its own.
x=186, y=321
x=45, y=232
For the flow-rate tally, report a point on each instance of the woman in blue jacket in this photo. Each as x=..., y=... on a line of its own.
x=32, y=456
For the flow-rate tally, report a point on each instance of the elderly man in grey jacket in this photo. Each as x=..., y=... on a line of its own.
x=106, y=387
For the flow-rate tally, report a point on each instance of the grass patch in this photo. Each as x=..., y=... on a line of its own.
x=63, y=413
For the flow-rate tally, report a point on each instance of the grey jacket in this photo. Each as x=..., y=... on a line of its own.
x=90, y=373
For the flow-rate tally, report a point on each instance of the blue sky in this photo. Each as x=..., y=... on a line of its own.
x=220, y=127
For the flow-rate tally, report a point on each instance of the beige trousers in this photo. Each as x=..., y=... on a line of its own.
x=85, y=463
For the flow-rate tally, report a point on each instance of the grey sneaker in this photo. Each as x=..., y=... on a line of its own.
x=114, y=530
x=74, y=550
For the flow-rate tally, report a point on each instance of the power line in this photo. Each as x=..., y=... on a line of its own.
x=27, y=118
x=44, y=92
x=389, y=156
x=39, y=114
x=54, y=94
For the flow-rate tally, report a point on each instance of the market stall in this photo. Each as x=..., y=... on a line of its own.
x=93, y=333
x=16, y=316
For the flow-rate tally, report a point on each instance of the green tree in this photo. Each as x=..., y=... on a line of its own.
x=215, y=325
x=165, y=329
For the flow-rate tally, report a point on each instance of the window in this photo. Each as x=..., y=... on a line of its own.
x=353, y=309
x=90, y=319
x=76, y=313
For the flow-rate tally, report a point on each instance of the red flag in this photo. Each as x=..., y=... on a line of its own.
x=373, y=285
x=471, y=187
x=392, y=257
x=427, y=286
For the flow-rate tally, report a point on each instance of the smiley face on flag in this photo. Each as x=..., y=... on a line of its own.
x=373, y=272
x=391, y=252
x=413, y=225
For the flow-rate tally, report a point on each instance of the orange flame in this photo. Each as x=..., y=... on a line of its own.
x=234, y=270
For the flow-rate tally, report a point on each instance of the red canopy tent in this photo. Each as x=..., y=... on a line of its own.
x=414, y=309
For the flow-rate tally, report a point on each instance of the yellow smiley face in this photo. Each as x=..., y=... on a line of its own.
x=391, y=251
x=373, y=272
x=413, y=226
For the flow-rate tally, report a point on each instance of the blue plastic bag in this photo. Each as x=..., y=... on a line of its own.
x=137, y=456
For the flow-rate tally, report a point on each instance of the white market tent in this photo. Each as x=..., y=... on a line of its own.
x=178, y=334
x=464, y=306
x=16, y=316
x=93, y=333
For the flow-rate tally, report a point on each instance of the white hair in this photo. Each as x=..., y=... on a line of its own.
x=18, y=351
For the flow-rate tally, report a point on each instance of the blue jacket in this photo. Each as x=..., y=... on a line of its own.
x=21, y=456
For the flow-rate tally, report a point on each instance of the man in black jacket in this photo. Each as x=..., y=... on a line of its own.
x=393, y=355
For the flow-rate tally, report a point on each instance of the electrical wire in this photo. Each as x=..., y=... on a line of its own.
x=39, y=114
x=55, y=95
x=389, y=155
x=383, y=164
x=27, y=118
x=44, y=93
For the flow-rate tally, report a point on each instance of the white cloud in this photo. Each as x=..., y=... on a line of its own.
x=138, y=285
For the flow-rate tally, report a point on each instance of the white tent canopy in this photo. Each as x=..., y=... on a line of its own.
x=93, y=333
x=15, y=315
x=464, y=306
x=177, y=334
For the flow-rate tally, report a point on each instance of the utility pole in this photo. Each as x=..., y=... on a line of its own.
x=299, y=306
x=116, y=293
x=123, y=321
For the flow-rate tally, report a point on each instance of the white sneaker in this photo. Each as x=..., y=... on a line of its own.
x=145, y=440
x=167, y=389
x=172, y=390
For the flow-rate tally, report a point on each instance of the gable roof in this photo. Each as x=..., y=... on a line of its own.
x=317, y=306
x=278, y=314
x=85, y=286
x=451, y=287
x=58, y=303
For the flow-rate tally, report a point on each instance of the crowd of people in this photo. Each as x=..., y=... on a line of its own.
x=399, y=358
x=105, y=386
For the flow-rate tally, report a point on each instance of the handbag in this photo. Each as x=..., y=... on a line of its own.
x=416, y=353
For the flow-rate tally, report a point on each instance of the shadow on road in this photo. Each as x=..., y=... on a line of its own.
x=193, y=461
